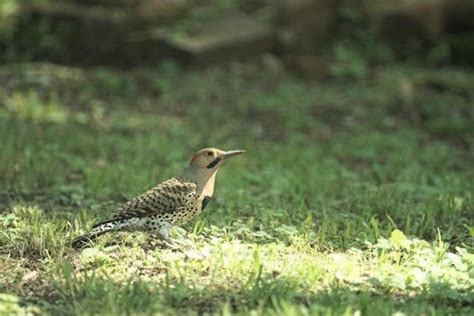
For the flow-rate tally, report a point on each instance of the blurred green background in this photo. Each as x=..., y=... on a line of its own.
x=358, y=120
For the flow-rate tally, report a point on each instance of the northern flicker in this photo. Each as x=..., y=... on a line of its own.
x=170, y=203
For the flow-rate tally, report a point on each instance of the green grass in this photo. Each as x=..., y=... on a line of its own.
x=355, y=196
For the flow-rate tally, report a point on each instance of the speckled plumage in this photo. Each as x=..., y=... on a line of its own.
x=170, y=203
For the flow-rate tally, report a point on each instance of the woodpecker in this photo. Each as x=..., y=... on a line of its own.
x=170, y=203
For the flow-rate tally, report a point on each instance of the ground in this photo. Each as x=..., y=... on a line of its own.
x=355, y=196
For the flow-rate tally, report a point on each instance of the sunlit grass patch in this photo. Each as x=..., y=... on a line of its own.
x=25, y=233
x=221, y=268
x=29, y=106
x=249, y=274
x=12, y=305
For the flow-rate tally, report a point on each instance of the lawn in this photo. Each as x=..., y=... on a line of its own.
x=355, y=196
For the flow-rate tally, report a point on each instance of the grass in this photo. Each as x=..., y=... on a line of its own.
x=355, y=195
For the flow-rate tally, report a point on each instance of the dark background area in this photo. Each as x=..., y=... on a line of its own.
x=306, y=34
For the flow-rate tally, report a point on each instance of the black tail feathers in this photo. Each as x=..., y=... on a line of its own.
x=83, y=240
x=96, y=231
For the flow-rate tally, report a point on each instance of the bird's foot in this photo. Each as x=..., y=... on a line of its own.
x=186, y=243
x=175, y=243
x=179, y=244
x=169, y=244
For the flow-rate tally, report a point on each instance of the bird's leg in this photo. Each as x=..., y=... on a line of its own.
x=167, y=241
x=163, y=234
x=160, y=230
x=174, y=243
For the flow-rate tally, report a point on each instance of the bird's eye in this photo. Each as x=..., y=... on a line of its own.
x=211, y=153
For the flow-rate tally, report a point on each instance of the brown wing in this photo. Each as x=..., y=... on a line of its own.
x=166, y=197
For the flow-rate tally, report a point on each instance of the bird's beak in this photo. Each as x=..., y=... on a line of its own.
x=232, y=153
x=222, y=157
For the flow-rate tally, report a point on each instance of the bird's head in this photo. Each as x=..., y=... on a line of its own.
x=212, y=158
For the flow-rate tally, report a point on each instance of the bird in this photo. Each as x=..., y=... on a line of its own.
x=170, y=203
